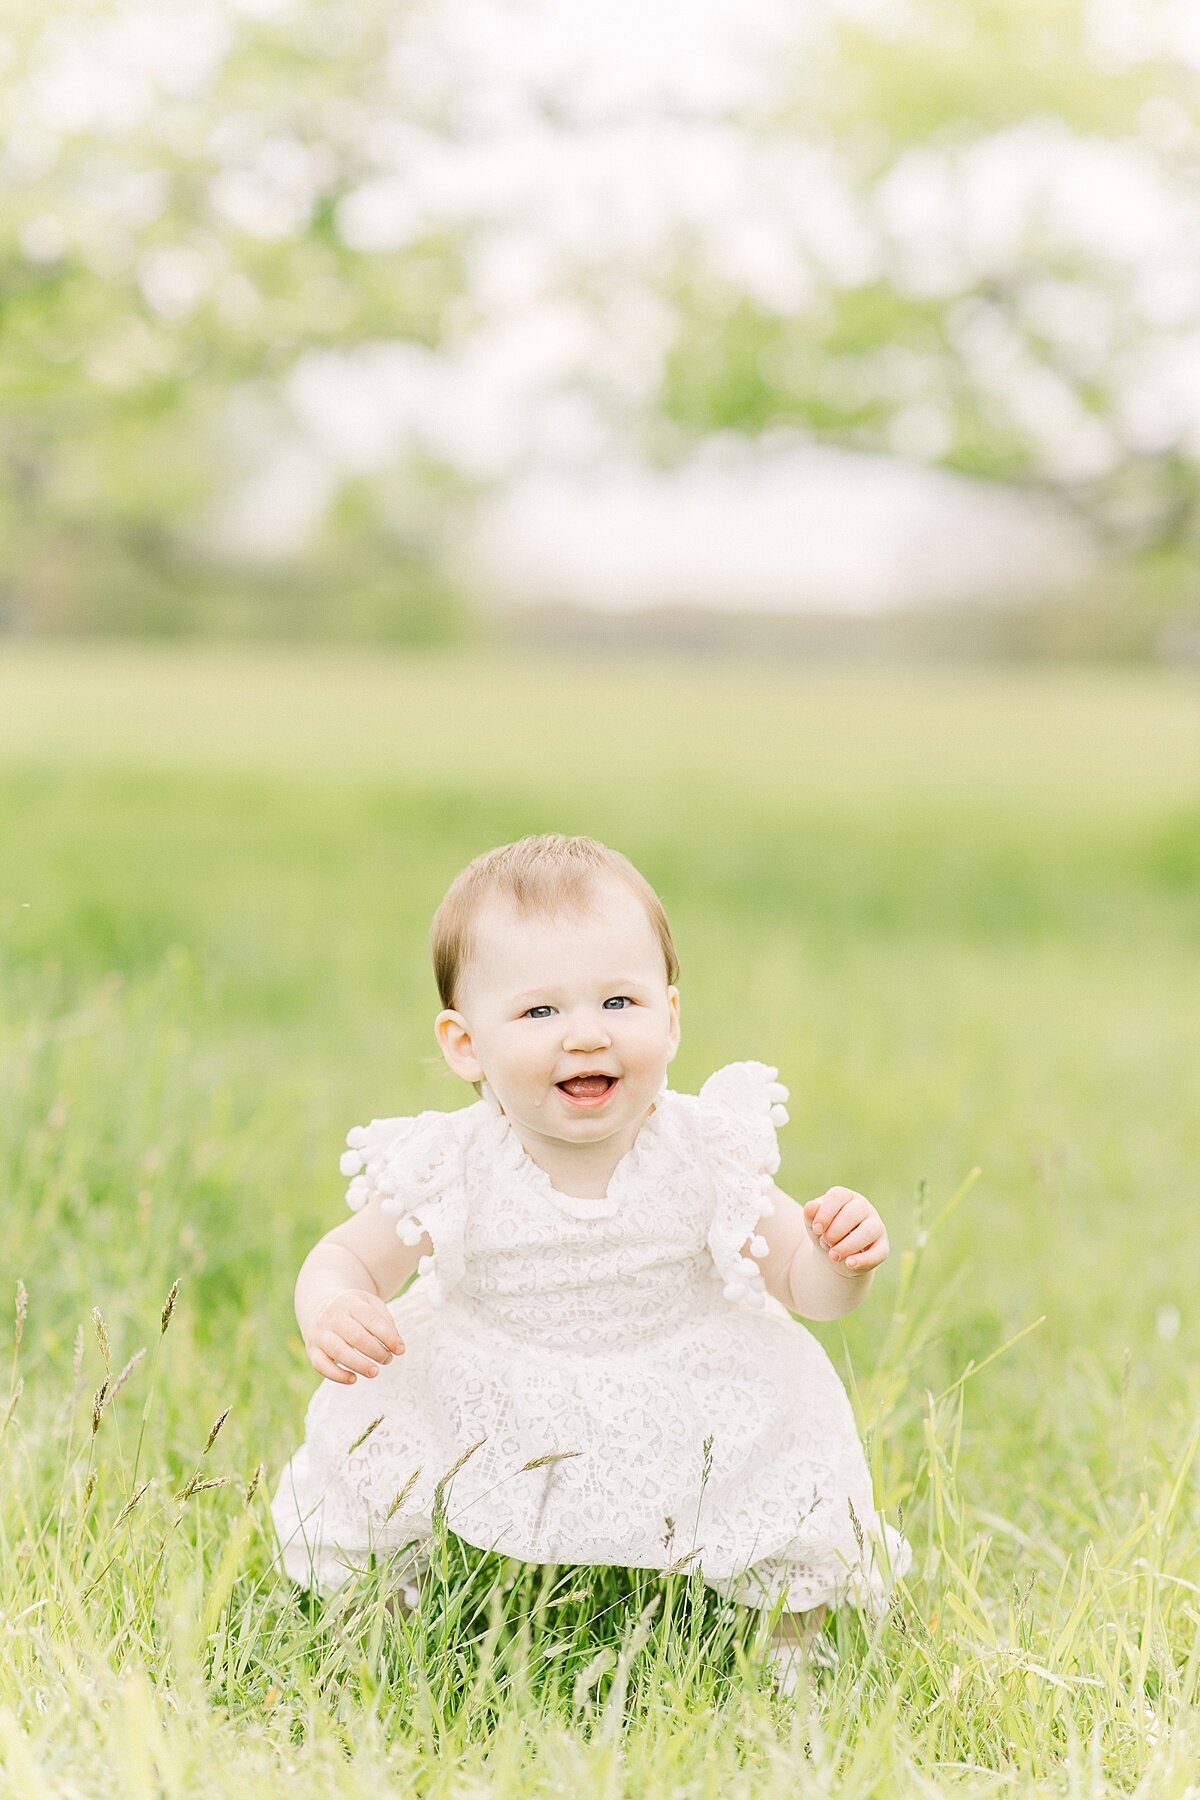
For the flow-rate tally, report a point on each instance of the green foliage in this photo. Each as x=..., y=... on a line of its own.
x=131, y=401
x=916, y=91
x=152, y=314
x=950, y=66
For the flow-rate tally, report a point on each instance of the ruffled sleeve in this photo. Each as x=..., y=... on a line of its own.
x=417, y=1168
x=740, y=1108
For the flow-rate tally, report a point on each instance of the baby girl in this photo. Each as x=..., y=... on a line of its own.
x=599, y=1346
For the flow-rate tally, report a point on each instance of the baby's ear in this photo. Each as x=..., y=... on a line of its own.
x=454, y=1040
x=673, y=1002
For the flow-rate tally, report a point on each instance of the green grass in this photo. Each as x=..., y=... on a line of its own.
x=959, y=909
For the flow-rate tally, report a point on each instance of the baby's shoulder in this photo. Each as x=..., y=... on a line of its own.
x=730, y=1126
x=743, y=1099
x=420, y=1152
x=734, y=1118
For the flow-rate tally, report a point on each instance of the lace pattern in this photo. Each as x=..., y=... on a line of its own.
x=613, y=1373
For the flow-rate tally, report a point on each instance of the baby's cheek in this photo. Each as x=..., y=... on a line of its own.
x=645, y=1055
x=524, y=1066
x=652, y=1029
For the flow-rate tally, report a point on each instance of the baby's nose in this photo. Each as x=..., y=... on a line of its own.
x=586, y=1034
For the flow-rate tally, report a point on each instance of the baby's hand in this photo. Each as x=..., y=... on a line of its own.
x=355, y=1329
x=848, y=1228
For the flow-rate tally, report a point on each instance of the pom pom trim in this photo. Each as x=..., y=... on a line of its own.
x=742, y=1106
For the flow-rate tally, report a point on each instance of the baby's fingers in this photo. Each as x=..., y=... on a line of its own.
x=812, y=1215
x=854, y=1212
x=821, y=1212
x=338, y=1350
x=383, y=1325
x=365, y=1338
x=325, y=1365
x=864, y=1248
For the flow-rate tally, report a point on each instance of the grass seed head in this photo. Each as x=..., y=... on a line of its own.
x=681, y=1562
x=364, y=1435
x=129, y=1505
x=127, y=1371
x=439, y=1493
x=196, y=1486
x=98, y=1399
x=402, y=1496
x=102, y=1335
x=22, y=1310
x=169, y=1307
x=212, y=1436
x=551, y=1456
x=252, y=1485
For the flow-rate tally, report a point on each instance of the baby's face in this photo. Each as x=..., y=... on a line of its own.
x=569, y=1019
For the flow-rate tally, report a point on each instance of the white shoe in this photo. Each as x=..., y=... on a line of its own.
x=787, y=1660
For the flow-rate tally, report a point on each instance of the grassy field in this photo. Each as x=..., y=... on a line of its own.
x=961, y=911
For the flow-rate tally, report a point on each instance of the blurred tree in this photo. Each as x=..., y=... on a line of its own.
x=1021, y=299
x=169, y=248
x=965, y=232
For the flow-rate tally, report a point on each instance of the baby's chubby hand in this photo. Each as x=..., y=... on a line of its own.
x=352, y=1330
x=848, y=1228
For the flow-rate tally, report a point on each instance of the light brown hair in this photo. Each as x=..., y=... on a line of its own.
x=539, y=875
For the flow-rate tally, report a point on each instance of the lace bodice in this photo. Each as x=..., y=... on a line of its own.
x=578, y=1273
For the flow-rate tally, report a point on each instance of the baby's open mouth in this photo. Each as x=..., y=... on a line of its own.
x=587, y=1090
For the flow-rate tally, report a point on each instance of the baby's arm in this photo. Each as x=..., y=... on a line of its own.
x=811, y=1278
x=341, y=1289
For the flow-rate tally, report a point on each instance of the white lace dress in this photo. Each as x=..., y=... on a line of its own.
x=688, y=1417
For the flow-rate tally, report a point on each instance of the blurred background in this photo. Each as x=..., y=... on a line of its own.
x=863, y=324
x=763, y=435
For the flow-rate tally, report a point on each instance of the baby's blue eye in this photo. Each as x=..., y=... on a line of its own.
x=619, y=1002
x=539, y=1012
